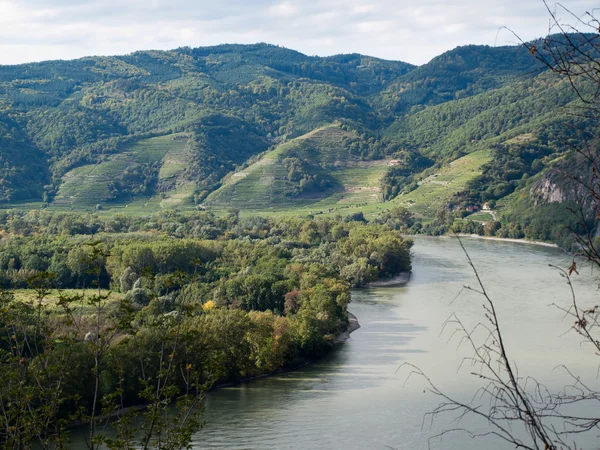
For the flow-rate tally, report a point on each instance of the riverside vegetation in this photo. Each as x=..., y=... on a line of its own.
x=101, y=314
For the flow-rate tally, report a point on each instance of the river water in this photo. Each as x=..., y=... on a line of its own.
x=361, y=397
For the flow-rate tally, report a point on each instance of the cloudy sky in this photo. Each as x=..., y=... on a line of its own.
x=412, y=31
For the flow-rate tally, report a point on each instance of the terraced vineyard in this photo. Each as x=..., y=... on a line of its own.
x=262, y=186
x=86, y=187
x=436, y=190
x=432, y=193
x=259, y=188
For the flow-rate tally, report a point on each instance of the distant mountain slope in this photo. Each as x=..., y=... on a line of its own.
x=145, y=168
x=454, y=128
x=459, y=73
x=264, y=128
x=23, y=168
x=324, y=168
x=77, y=112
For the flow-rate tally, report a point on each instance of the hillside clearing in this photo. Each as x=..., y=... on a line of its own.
x=87, y=186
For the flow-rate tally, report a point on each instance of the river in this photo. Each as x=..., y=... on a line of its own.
x=357, y=398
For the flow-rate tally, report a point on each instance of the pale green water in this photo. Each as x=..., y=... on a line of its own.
x=356, y=398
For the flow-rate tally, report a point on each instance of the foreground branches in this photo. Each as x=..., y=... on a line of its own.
x=517, y=409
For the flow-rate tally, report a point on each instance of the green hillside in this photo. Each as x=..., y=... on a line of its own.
x=456, y=127
x=457, y=74
x=352, y=184
x=234, y=100
x=322, y=169
x=438, y=189
x=161, y=161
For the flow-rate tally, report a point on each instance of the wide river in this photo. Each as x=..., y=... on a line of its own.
x=360, y=396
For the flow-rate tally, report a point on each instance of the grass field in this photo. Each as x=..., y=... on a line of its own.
x=29, y=296
x=481, y=216
x=24, y=206
x=85, y=187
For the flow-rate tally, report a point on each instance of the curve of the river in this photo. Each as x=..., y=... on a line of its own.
x=356, y=398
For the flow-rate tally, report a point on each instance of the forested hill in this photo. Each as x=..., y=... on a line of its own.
x=59, y=115
x=214, y=125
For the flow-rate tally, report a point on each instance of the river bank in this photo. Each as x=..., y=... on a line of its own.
x=489, y=238
x=518, y=241
x=353, y=325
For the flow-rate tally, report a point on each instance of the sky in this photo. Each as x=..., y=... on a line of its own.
x=412, y=31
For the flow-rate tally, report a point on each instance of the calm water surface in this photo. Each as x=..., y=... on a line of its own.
x=358, y=399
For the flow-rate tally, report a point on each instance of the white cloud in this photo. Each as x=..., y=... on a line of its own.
x=33, y=30
x=376, y=26
x=283, y=10
x=365, y=9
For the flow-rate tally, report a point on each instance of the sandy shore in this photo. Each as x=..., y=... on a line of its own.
x=398, y=280
x=518, y=241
